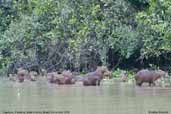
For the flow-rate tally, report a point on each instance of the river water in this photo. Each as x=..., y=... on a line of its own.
x=112, y=97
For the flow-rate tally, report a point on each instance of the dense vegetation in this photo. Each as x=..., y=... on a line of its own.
x=81, y=34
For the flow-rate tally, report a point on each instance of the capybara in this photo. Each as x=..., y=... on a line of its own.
x=94, y=78
x=149, y=76
x=123, y=76
x=32, y=75
x=56, y=78
x=68, y=77
x=21, y=74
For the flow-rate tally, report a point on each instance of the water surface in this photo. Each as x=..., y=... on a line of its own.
x=112, y=97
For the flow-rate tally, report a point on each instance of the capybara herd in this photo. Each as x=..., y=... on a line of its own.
x=66, y=77
x=90, y=79
x=23, y=74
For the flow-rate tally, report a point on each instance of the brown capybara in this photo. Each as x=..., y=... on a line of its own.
x=123, y=76
x=56, y=78
x=94, y=78
x=32, y=75
x=149, y=76
x=21, y=74
x=68, y=77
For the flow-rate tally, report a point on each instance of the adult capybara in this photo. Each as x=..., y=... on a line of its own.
x=94, y=78
x=32, y=75
x=21, y=74
x=68, y=77
x=149, y=76
x=56, y=78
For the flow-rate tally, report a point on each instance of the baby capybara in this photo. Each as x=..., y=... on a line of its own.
x=94, y=78
x=21, y=74
x=149, y=76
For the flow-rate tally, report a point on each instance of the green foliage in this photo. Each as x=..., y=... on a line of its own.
x=139, y=3
x=125, y=43
x=154, y=25
x=81, y=33
x=117, y=73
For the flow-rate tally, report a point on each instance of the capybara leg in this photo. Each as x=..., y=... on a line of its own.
x=154, y=84
x=139, y=83
x=98, y=82
x=150, y=83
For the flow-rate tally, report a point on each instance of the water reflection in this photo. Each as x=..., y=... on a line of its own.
x=109, y=98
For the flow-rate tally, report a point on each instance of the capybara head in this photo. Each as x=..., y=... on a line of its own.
x=160, y=73
x=108, y=74
x=21, y=74
x=102, y=71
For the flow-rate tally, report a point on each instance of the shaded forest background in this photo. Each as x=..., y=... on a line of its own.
x=81, y=34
